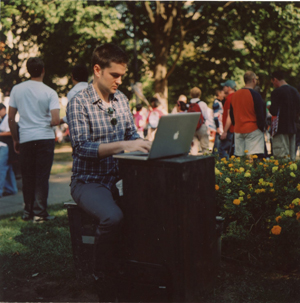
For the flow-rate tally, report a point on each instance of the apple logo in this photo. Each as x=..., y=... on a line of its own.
x=176, y=135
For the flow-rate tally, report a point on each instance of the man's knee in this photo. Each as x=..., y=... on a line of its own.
x=112, y=218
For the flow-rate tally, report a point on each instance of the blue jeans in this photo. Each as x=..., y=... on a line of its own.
x=216, y=144
x=226, y=146
x=7, y=176
x=36, y=159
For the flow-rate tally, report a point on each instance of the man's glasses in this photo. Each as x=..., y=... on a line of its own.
x=113, y=120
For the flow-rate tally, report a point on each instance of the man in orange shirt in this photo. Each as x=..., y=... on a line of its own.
x=247, y=114
x=226, y=143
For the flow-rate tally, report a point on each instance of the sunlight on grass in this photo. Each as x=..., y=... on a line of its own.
x=61, y=168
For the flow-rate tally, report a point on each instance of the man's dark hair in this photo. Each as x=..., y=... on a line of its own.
x=35, y=66
x=107, y=53
x=182, y=105
x=154, y=102
x=279, y=75
x=139, y=107
x=80, y=73
x=2, y=106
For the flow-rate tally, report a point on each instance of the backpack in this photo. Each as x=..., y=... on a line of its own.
x=195, y=108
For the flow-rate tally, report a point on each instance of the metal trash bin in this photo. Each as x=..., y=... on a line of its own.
x=82, y=230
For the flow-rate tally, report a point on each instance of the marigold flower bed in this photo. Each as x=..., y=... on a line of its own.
x=260, y=202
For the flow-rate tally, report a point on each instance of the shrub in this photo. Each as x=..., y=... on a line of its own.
x=260, y=201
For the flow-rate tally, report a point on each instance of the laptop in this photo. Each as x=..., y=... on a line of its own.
x=173, y=137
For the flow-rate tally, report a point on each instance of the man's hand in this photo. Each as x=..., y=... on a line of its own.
x=138, y=145
x=109, y=149
x=17, y=147
x=223, y=136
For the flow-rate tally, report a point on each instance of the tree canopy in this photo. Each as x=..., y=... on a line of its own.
x=179, y=44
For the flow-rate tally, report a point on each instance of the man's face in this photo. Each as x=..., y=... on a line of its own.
x=109, y=79
x=226, y=90
x=275, y=82
x=221, y=95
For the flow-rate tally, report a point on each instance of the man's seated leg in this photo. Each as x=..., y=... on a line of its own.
x=98, y=201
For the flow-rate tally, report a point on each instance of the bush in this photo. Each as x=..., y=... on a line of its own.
x=260, y=201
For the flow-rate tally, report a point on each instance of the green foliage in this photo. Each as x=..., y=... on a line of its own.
x=251, y=195
x=66, y=33
x=179, y=44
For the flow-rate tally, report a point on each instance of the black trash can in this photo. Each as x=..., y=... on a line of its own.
x=219, y=231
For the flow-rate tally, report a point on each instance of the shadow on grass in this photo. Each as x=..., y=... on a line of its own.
x=37, y=261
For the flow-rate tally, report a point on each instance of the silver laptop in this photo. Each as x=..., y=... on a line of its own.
x=173, y=137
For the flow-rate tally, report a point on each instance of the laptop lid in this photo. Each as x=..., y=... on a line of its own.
x=173, y=137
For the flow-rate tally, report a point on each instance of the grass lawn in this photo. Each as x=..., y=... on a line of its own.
x=37, y=266
x=62, y=161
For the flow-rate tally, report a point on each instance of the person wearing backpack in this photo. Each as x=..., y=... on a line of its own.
x=201, y=139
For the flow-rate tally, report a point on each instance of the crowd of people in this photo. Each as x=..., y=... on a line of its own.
x=101, y=124
x=240, y=120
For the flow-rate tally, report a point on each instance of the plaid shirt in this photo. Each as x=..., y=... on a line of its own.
x=89, y=125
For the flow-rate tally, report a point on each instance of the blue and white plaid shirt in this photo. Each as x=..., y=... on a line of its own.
x=89, y=125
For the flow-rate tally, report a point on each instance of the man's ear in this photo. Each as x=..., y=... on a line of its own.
x=97, y=70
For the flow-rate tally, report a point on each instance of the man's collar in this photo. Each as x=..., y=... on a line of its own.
x=95, y=97
x=194, y=100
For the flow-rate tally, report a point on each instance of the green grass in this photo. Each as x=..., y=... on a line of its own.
x=28, y=248
x=62, y=161
x=37, y=260
x=37, y=266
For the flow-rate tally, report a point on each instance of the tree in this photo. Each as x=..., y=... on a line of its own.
x=64, y=33
x=164, y=26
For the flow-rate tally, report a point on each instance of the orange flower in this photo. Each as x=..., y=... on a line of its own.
x=236, y=202
x=230, y=165
x=278, y=219
x=276, y=230
x=217, y=187
x=298, y=215
x=291, y=206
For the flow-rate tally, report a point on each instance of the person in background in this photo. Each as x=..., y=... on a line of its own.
x=139, y=120
x=80, y=75
x=226, y=147
x=285, y=104
x=201, y=139
x=38, y=107
x=181, y=107
x=247, y=113
x=218, y=118
x=154, y=115
x=8, y=184
x=181, y=98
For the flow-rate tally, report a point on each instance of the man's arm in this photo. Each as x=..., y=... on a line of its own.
x=259, y=107
x=274, y=103
x=13, y=127
x=55, y=117
x=227, y=126
x=5, y=133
